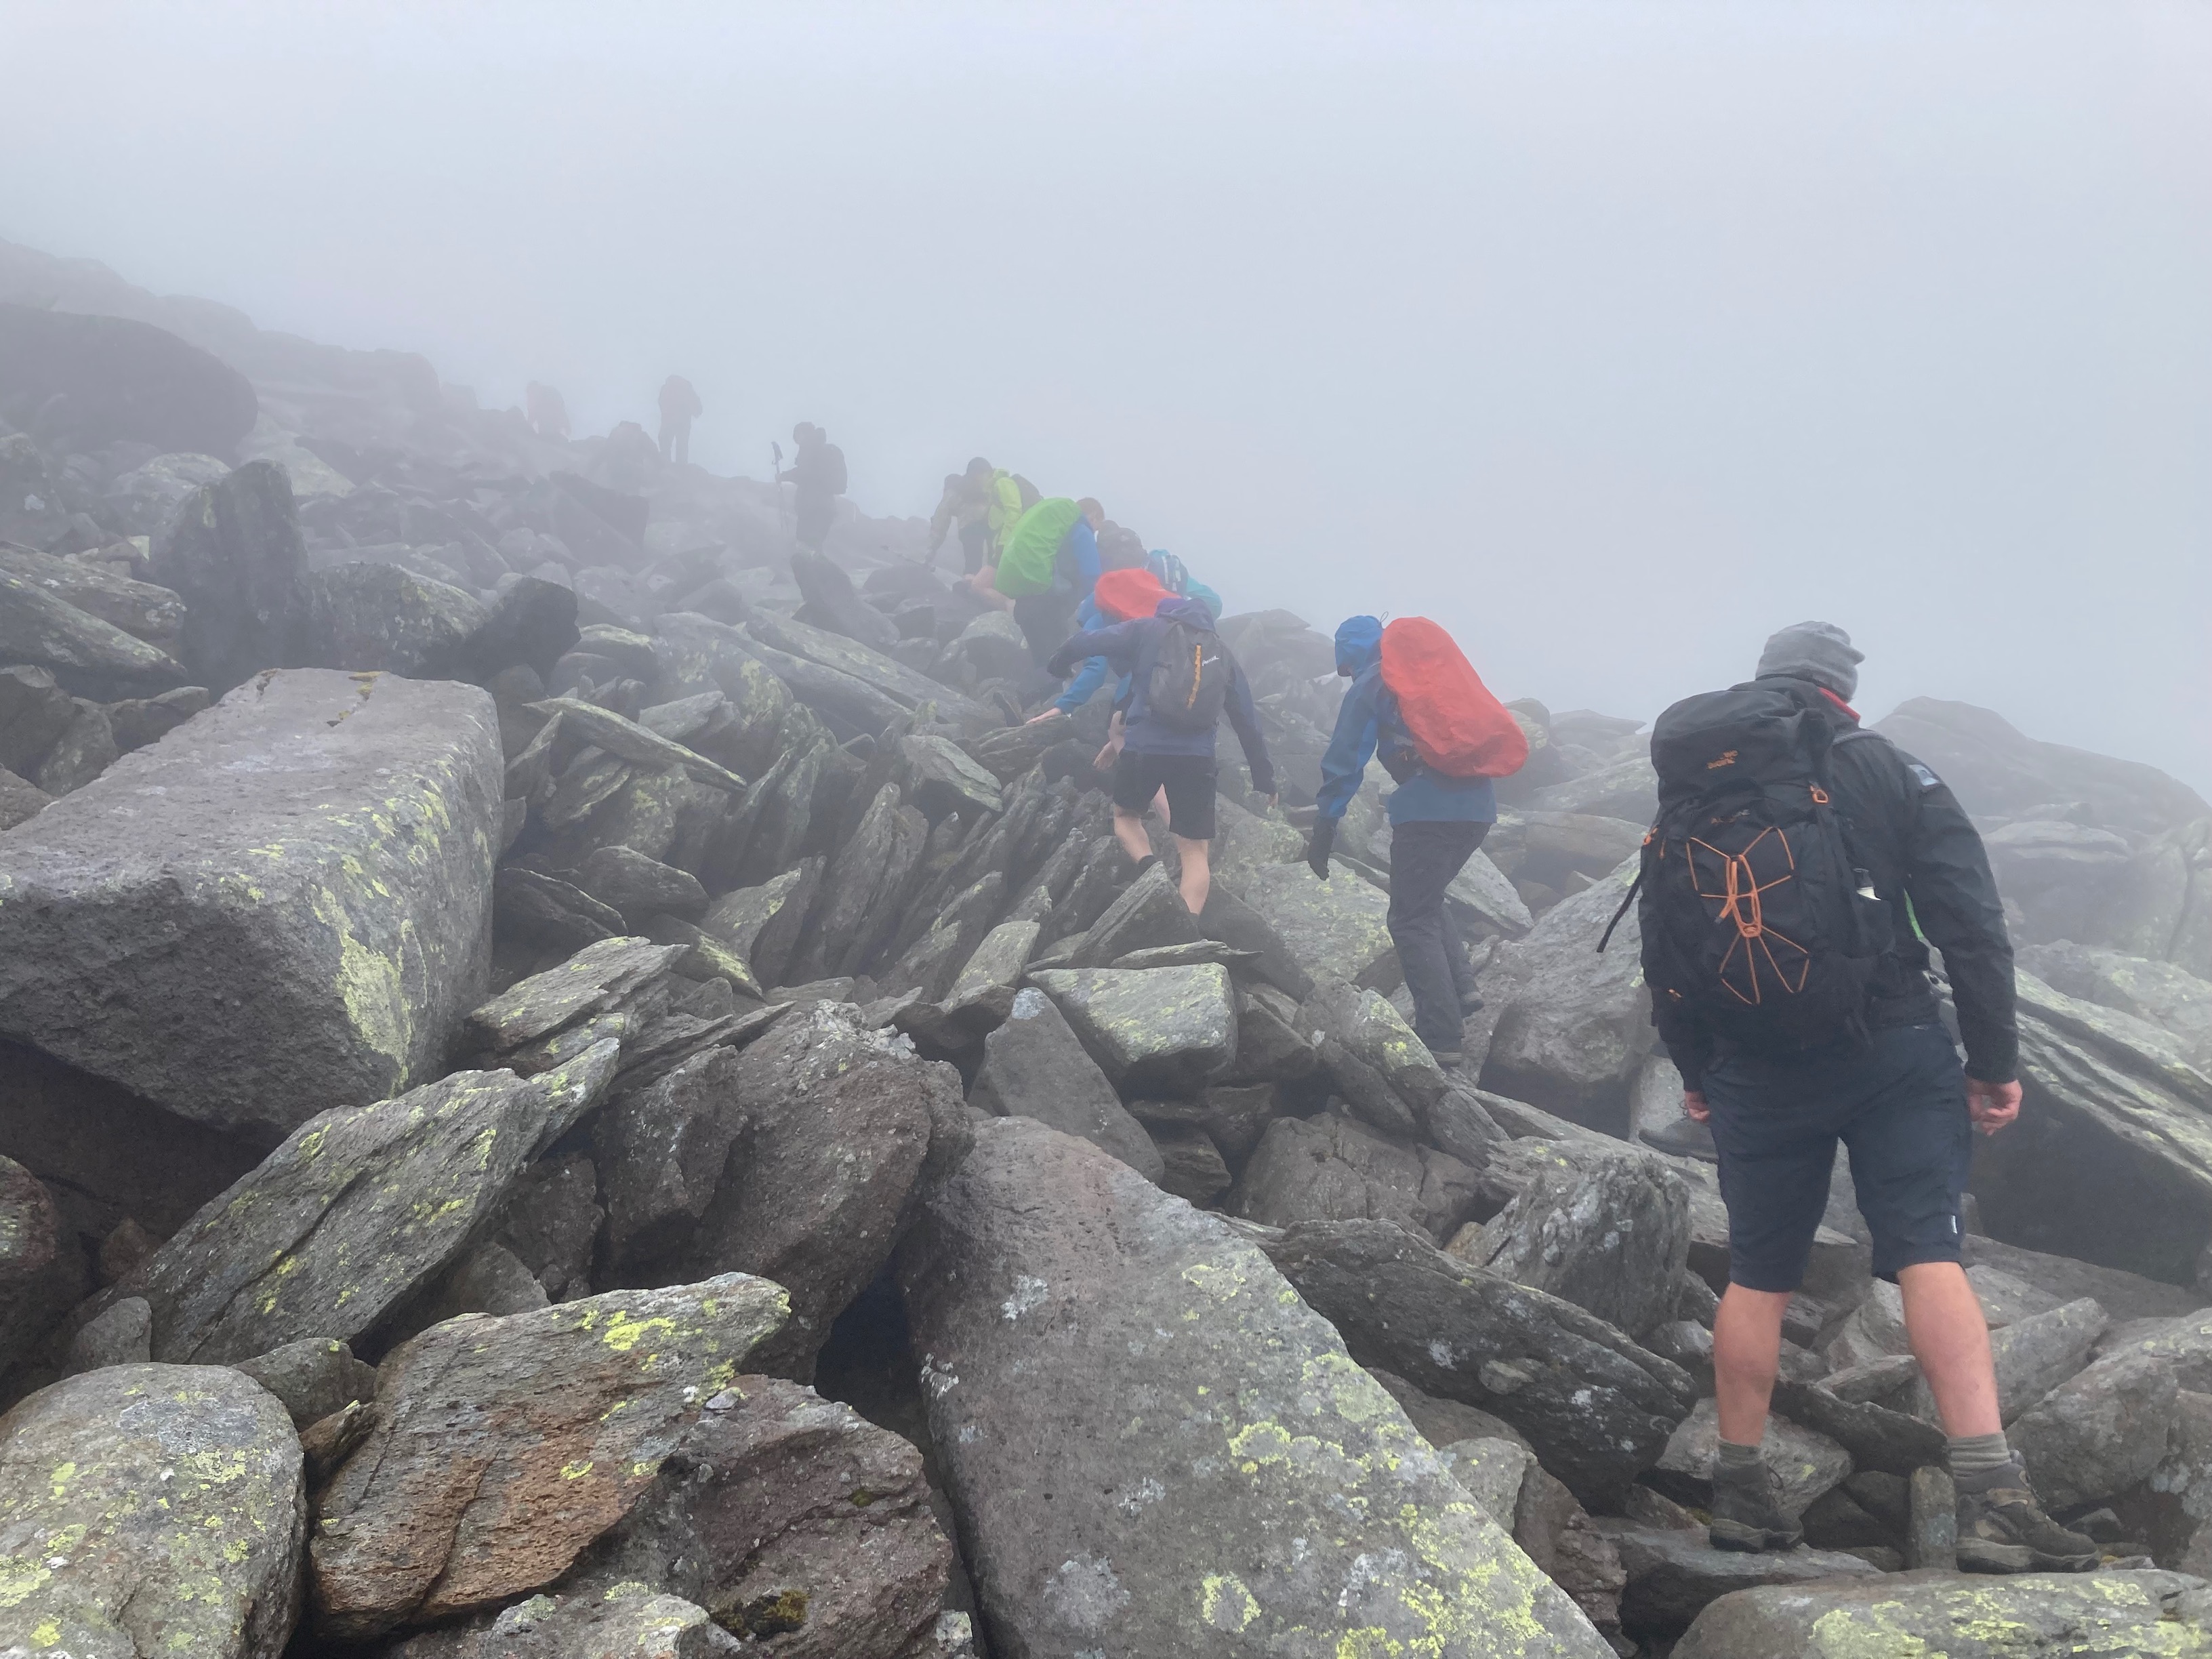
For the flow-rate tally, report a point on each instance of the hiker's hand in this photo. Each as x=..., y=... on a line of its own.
x=1694, y=1107
x=1991, y=1105
x=1108, y=756
x=1049, y=713
x=1318, y=843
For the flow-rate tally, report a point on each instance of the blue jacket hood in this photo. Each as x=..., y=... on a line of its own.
x=1193, y=611
x=1358, y=642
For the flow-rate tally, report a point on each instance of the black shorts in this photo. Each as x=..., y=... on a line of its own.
x=1899, y=1103
x=1188, y=779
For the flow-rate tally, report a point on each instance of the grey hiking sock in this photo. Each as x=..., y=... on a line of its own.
x=1735, y=1462
x=1974, y=1457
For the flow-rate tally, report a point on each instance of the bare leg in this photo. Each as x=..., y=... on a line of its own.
x=1746, y=1353
x=1197, y=873
x=1951, y=1340
x=1129, y=831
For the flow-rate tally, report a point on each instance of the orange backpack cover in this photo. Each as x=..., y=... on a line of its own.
x=1459, y=728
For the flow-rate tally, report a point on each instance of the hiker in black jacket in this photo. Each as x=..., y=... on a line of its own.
x=1892, y=1088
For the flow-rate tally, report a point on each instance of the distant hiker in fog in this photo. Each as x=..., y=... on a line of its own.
x=547, y=414
x=986, y=503
x=1798, y=871
x=1440, y=812
x=1182, y=680
x=1047, y=570
x=679, y=407
x=816, y=474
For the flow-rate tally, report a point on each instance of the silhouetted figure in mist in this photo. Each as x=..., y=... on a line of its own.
x=986, y=503
x=816, y=474
x=543, y=408
x=679, y=407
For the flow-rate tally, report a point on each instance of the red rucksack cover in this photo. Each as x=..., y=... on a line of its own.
x=1459, y=729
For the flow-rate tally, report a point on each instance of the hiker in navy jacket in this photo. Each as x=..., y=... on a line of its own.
x=1435, y=825
x=1150, y=755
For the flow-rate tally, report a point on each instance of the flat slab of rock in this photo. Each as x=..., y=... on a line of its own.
x=358, y=1209
x=1675, y=1574
x=1155, y=1447
x=2033, y=1616
x=1336, y=929
x=501, y=1449
x=283, y=905
x=1806, y=1461
x=1598, y=1409
x=1034, y=1066
x=1150, y=1029
x=150, y=1509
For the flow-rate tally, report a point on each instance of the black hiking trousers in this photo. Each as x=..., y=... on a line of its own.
x=1425, y=856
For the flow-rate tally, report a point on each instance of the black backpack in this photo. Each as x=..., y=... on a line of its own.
x=1756, y=920
x=1189, y=682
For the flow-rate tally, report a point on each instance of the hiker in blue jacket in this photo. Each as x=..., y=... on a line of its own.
x=1435, y=825
x=1173, y=576
x=1151, y=755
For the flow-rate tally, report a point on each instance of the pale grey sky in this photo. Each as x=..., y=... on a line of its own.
x=1613, y=335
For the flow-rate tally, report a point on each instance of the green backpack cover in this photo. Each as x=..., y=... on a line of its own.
x=1032, y=552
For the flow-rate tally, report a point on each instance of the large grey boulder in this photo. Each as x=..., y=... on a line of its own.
x=150, y=1509
x=1334, y=929
x=283, y=905
x=1165, y=1029
x=233, y=553
x=2173, y=999
x=366, y=616
x=804, y=1527
x=498, y=1450
x=1598, y=1409
x=141, y=610
x=904, y=688
x=358, y=1209
x=1573, y=1028
x=144, y=499
x=840, y=1122
x=2099, y=1432
x=40, y=629
x=1612, y=1236
x=1996, y=771
x=2112, y=1158
x=1155, y=1447
x=1331, y=1168
x=2161, y=903
x=1673, y=1575
x=2033, y=1616
x=1036, y=1067
x=92, y=379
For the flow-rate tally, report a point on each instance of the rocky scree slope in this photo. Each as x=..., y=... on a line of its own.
x=576, y=1083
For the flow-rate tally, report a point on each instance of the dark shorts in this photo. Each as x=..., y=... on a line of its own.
x=1188, y=779
x=1899, y=1103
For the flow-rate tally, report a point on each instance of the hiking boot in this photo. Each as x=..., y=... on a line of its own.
x=1451, y=1060
x=1684, y=1138
x=1469, y=1003
x=1747, y=1512
x=2002, y=1528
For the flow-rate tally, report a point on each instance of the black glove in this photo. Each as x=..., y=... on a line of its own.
x=1318, y=844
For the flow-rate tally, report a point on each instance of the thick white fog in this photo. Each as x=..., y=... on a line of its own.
x=1613, y=336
